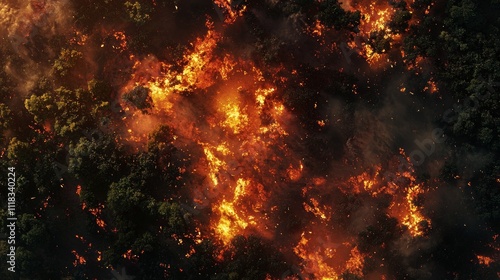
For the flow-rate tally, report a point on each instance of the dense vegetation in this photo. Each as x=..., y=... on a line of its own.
x=62, y=133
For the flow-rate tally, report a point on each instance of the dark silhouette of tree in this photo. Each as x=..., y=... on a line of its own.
x=251, y=258
x=140, y=98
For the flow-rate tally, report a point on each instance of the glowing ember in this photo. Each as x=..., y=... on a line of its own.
x=355, y=263
x=237, y=214
x=413, y=219
x=431, y=86
x=314, y=262
x=318, y=29
x=248, y=137
x=231, y=13
x=235, y=119
x=79, y=260
x=375, y=18
x=484, y=260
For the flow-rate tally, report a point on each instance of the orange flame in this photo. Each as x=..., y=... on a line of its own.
x=230, y=13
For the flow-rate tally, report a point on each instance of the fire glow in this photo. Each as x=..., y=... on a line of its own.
x=251, y=139
x=246, y=158
x=244, y=129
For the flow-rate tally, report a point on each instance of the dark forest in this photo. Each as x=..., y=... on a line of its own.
x=265, y=139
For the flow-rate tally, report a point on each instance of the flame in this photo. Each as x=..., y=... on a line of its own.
x=316, y=209
x=96, y=212
x=355, y=263
x=228, y=109
x=195, y=72
x=235, y=117
x=121, y=41
x=79, y=38
x=165, y=83
x=407, y=210
x=295, y=173
x=375, y=18
x=413, y=219
x=431, y=86
x=78, y=259
x=214, y=163
x=404, y=194
x=318, y=29
x=484, y=260
x=237, y=214
x=315, y=262
x=231, y=14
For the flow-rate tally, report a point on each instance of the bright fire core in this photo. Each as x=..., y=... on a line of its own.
x=247, y=162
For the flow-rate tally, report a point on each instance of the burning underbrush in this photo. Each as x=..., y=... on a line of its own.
x=268, y=142
x=250, y=180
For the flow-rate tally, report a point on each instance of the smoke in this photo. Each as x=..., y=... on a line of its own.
x=305, y=139
x=31, y=27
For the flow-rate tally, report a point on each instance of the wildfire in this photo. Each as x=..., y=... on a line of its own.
x=196, y=73
x=214, y=163
x=240, y=212
x=355, y=263
x=315, y=262
x=295, y=173
x=121, y=41
x=413, y=219
x=431, y=86
x=407, y=210
x=228, y=108
x=78, y=259
x=318, y=29
x=235, y=118
x=229, y=10
x=484, y=260
x=96, y=212
x=316, y=210
x=375, y=18
x=374, y=26
x=404, y=192
x=326, y=260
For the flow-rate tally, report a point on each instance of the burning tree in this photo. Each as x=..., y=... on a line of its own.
x=252, y=140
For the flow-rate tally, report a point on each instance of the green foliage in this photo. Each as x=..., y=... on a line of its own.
x=139, y=13
x=251, y=258
x=5, y=117
x=125, y=198
x=34, y=232
x=6, y=82
x=203, y=262
x=97, y=162
x=34, y=240
x=66, y=61
x=28, y=263
x=271, y=49
x=70, y=112
x=399, y=21
x=18, y=150
x=173, y=215
x=88, y=13
x=333, y=15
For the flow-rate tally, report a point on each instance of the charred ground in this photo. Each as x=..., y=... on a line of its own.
x=252, y=140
